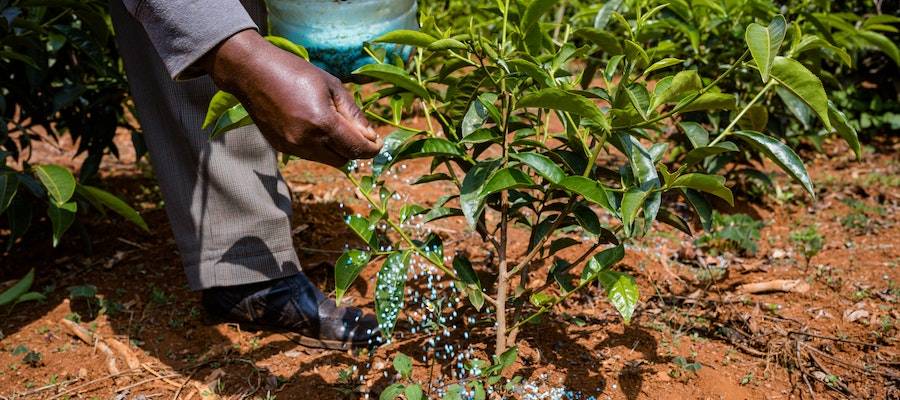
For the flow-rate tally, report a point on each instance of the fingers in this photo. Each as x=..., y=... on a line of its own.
x=346, y=106
x=346, y=139
x=325, y=155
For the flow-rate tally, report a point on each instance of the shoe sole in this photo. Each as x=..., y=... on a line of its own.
x=298, y=338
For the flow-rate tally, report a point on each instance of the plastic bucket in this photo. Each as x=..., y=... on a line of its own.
x=333, y=31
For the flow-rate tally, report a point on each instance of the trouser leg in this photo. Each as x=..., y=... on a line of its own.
x=227, y=203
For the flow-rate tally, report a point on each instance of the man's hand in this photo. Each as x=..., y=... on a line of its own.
x=300, y=109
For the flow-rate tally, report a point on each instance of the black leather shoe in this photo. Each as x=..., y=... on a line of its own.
x=295, y=305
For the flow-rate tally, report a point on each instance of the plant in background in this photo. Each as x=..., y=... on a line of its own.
x=527, y=127
x=839, y=47
x=61, y=75
x=735, y=233
x=808, y=242
x=862, y=217
x=20, y=291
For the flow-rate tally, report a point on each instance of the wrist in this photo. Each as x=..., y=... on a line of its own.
x=232, y=60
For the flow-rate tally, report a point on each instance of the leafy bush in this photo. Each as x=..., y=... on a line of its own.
x=734, y=233
x=61, y=75
x=544, y=133
x=808, y=242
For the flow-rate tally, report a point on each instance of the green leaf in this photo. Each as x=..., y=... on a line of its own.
x=636, y=54
x=408, y=37
x=604, y=40
x=505, y=179
x=674, y=220
x=61, y=217
x=664, y=63
x=428, y=147
x=447, y=44
x=403, y=365
x=641, y=160
x=346, y=269
x=538, y=74
x=813, y=42
x=9, y=182
x=541, y=164
x=470, y=198
x=392, y=144
x=394, y=75
x=558, y=99
x=454, y=392
x=31, y=296
x=764, y=43
x=796, y=106
x=392, y=392
x=413, y=392
x=590, y=189
x=482, y=135
x=566, y=242
x=235, y=117
x=289, y=46
x=602, y=261
x=632, y=201
x=782, y=155
x=684, y=83
x=803, y=83
x=469, y=278
x=478, y=388
x=696, y=133
x=883, y=43
x=58, y=180
x=712, y=101
x=639, y=98
x=477, y=114
x=606, y=12
x=18, y=216
x=410, y=210
x=117, y=205
x=440, y=176
x=363, y=228
x=18, y=289
x=699, y=154
x=712, y=184
x=389, y=291
x=506, y=359
x=587, y=219
x=535, y=10
x=838, y=119
x=701, y=206
x=622, y=292
x=220, y=103
x=541, y=299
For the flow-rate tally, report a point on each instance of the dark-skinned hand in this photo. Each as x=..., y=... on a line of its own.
x=300, y=109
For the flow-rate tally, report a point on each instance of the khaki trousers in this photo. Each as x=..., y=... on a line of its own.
x=227, y=202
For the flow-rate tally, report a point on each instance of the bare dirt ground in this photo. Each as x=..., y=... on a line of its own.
x=695, y=335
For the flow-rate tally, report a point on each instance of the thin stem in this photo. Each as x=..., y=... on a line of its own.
x=408, y=240
x=740, y=115
x=503, y=278
x=371, y=114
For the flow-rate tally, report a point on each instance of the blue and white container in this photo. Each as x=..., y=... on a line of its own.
x=333, y=31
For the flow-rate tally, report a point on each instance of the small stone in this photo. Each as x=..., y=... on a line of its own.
x=856, y=315
x=293, y=354
x=778, y=254
x=82, y=373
